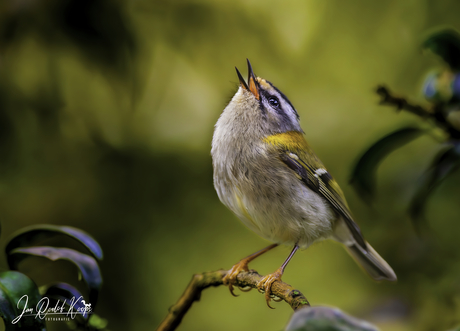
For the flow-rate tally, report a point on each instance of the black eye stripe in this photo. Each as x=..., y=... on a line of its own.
x=271, y=99
x=274, y=102
x=284, y=97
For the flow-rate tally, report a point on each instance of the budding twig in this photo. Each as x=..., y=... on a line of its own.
x=401, y=103
x=202, y=281
x=436, y=113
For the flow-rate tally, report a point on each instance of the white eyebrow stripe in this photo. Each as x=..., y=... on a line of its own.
x=288, y=111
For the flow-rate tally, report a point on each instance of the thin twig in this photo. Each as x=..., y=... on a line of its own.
x=401, y=103
x=202, y=281
x=435, y=113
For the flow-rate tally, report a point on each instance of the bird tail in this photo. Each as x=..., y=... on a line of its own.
x=371, y=262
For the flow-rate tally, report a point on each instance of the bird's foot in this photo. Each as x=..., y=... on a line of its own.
x=230, y=278
x=265, y=285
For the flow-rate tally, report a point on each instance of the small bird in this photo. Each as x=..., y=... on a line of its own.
x=267, y=174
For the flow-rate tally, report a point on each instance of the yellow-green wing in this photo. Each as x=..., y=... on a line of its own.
x=317, y=178
x=297, y=155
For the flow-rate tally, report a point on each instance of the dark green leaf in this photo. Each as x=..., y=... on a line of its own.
x=15, y=289
x=63, y=293
x=326, y=319
x=444, y=164
x=35, y=234
x=87, y=265
x=364, y=172
x=69, y=295
x=446, y=44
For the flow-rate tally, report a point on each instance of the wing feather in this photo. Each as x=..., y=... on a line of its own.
x=319, y=180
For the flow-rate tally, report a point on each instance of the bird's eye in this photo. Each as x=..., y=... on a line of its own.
x=274, y=102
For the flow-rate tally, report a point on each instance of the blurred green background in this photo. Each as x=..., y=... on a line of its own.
x=106, y=118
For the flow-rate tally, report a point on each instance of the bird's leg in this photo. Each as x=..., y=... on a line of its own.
x=230, y=278
x=265, y=283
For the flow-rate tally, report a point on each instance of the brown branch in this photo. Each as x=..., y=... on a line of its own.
x=202, y=281
x=401, y=103
x=436, y=113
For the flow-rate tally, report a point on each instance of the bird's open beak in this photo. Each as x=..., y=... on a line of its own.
x=242, y=82
x=252, y=84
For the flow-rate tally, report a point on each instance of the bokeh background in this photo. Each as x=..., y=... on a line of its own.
x=106, y=118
